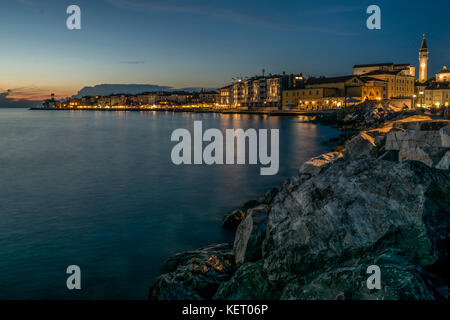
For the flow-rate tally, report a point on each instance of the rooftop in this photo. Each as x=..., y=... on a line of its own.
x=330, y=80
x=373, y=65
x=377, y=72
x=439, y=86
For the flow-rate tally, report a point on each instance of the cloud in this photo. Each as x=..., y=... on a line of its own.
x=186, y=7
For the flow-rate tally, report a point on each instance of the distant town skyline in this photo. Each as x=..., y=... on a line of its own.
x=204, y=43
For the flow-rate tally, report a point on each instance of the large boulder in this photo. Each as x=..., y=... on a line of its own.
x=428, y=147
x=250, y=282
x=401, y=279
x=444, y=163
x=250, y=235
x=194, y=275
x=431, y=156
x=354, y=207
x=410, y=139
x=361, y=146
x=445, y=136
x=424, y=125
x=316, y=165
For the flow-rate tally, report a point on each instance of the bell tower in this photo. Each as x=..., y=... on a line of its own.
x=423, y=61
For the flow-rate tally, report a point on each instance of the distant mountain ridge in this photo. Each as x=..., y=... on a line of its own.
x=6, y=102
x=108, y=89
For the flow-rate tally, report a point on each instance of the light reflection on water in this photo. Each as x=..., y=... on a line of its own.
x=98, y=189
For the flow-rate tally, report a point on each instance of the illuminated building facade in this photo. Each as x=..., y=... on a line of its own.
x=423, y=61
x=443, y=75
x=437, y=95
x=225, y=96
x=332, y=93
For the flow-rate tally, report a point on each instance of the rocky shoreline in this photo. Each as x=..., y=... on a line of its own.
x=381, y=199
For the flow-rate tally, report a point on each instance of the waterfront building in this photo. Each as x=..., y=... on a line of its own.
x=296, y=81
x=361, y=69
x=398, y=78
x=398, y=83
x=332, y=93
x=437, y=95
x=350, y=86
x=306, y=99
x=51, y=103
x=443, y=75
x=248, y=92
x=225, y=97
x=259, y=92
x=147, y=98
x=275, y=87
x=208, y=97
x=237, y=91
x=179, y=97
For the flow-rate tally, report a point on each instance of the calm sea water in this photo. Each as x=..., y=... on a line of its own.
x=98, y=190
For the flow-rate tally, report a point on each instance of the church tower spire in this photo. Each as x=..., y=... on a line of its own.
x=423, y=61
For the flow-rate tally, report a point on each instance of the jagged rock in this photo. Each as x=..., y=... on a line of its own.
x=248, y=283
x=353, y=207
x=424, y=146
x=410, y=139
x=250, y=235
x=315, y=238
x=316, y=165
x=431, y=156
x=269, y=196
x=194, y=275
x=428, y=125
x=401, y=279
x=361, y=146
x=445, y=136
x=233, y=219
x=444, y=164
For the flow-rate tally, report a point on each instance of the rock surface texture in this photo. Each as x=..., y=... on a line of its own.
x=250, y=235
x=385, y=201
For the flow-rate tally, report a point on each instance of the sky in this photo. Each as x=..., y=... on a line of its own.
x=204, y=43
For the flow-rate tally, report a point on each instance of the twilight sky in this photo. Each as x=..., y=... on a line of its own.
x=204, y=43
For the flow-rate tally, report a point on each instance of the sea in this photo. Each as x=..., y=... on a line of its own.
x=98, y=190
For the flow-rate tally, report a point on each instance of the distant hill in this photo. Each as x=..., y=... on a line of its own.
x=6, y=102
x=107, y=89
x=195, y=89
